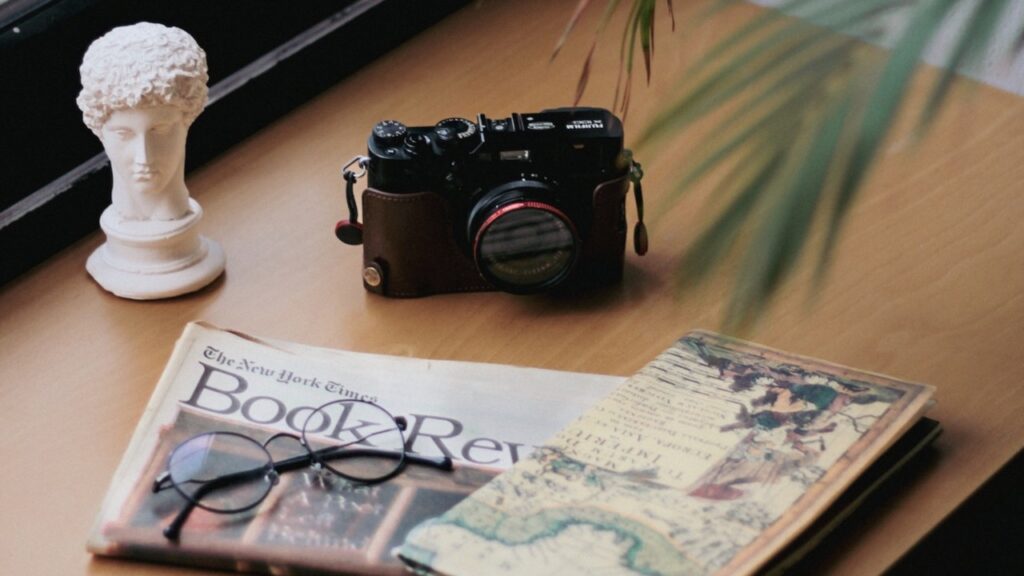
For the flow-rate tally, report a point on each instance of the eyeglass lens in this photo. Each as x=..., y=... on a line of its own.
x=221, y=471
x=357, y=440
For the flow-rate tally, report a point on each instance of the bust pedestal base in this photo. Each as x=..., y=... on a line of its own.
x=151, y=259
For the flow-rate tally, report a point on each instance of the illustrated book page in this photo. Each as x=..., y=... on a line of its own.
x=218, y=380
x=710, y=460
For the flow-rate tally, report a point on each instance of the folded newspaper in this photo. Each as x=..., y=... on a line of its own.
x=485, y=417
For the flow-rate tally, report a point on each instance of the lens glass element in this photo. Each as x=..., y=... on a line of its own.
x=354, y=439
x=221, y=471
x=526, y=246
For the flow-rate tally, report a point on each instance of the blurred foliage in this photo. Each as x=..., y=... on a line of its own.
x=804, y=105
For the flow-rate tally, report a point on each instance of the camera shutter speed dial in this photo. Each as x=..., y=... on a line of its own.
x=455, y=131
x=389, y=133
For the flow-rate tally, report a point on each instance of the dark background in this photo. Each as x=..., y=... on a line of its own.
x=41, y=47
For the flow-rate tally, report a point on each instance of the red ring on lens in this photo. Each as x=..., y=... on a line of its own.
x=519, y=205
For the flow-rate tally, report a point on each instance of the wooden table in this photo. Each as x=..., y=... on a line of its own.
x=927, y=283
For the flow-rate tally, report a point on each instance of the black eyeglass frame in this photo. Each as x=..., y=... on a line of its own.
x=273, y=470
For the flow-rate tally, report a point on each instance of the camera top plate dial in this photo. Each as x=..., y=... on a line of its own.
x=460, y=128
x=388, y=133
x=455, y=132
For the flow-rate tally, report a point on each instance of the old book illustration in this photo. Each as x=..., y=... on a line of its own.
x=710, y=460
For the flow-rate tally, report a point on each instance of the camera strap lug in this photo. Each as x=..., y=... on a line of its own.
x=636, y=174
x=350, y=231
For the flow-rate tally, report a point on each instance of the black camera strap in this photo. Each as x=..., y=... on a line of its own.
x=350, y=230
x=636, y=174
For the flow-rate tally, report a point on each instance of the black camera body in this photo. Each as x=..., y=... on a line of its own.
x=529, y=203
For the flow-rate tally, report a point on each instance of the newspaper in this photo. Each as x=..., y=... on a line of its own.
x=485, y=417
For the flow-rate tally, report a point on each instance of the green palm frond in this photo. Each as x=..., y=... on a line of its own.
x=802, y=102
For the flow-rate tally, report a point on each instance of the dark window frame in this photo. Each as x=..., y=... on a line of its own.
x=58, y=181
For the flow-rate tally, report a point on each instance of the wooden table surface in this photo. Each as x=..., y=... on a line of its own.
x=927, y=283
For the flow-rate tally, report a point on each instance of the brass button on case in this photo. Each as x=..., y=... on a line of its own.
x=372, y=276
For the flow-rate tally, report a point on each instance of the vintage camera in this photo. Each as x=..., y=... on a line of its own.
x=529, y=203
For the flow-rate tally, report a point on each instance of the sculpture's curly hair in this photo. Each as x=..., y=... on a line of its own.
x=143, y=64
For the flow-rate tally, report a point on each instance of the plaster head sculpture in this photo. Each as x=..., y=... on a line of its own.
x=142, y=87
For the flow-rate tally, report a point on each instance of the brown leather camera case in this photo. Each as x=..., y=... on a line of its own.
x=409, y=244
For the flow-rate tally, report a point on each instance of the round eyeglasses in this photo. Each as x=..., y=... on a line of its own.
x=228, y=472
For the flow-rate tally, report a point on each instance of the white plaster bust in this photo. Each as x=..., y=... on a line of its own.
x=142, y=87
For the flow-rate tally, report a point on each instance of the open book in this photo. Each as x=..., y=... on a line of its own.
x=713, y=459
x=484, y=417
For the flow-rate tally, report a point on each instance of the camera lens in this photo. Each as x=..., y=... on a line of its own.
x=522, y=243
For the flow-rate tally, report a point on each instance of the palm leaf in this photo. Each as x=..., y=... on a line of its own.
x=783, y=233
x=609, y=10
x=969, y=47
x=881, y=108
x=799, y=108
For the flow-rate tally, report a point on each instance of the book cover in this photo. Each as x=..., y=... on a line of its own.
x=710, y=460
x=310, y=522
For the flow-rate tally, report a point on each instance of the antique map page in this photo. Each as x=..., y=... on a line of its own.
x=709, y=460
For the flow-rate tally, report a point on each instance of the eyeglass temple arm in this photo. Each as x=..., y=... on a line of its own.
x=346, y=451
x=162, y=482
x=173, y=530
x=442, y=462
x=337, y=453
